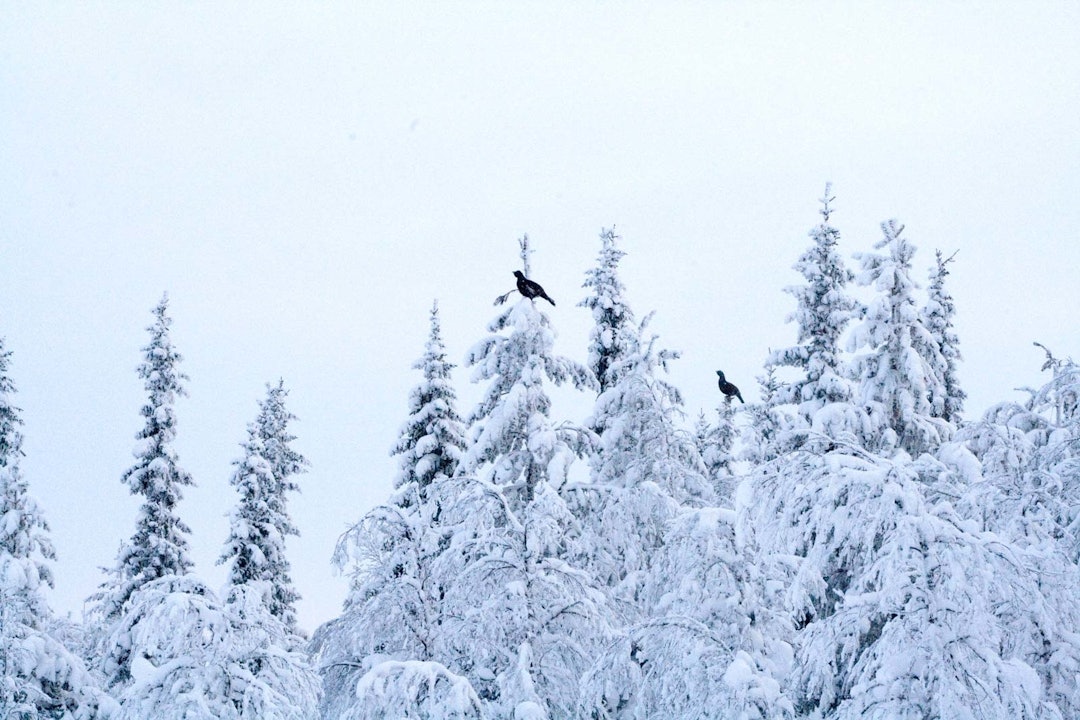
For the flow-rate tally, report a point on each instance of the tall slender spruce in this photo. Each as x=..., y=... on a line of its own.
x=613, y=335
x=260, y=522
x=432, y=440
x=159, y=546
x=937, y=315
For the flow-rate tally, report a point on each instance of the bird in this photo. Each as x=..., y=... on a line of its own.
x=728, y=389
x=530, y=289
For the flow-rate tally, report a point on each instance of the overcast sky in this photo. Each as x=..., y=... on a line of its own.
x=305, y=180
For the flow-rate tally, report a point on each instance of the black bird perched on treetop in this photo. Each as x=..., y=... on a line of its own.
x=728, y=389
x=530, y=289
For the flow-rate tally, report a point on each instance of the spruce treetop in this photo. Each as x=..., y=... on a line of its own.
x=272, y=429
x=823, y=311
x=937, y=316
x=10, y=437
x=896, y=374
x=432, y=439
x=612, y=336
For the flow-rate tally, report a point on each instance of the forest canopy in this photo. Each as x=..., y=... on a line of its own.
x=846, y=544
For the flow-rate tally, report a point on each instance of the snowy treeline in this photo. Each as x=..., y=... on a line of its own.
x=848, y=546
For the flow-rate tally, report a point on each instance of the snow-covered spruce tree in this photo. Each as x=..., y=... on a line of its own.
x=192, y=657
x=999, y=486
x=937, y=316
x=640, y=458
x=1047, y=485
x=159, y=547
x=761, y=436
x=432, y=439
x=823, y=311
x=511, y=431
x=521, y=621
x=1050, y=496
x=896, y=603
x=10, y=437
x=714, y=444
x=919, y=632
x=393, y=612
x=39, y=677
x=896, y=372
x=710, y=647
x=642, y=467
x=614, y=333
x=643, y=440
x=259, y=524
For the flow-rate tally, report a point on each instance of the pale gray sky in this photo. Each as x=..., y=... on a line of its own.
x=304, y=179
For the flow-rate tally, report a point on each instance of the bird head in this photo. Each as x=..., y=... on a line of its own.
x=720, y=373
x=518, y=274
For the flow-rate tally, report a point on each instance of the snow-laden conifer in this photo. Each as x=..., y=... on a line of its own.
x=898, y=604
x=1030, y=455
x=189, y=656
x=709, y=647
x=39, y=676
x=823, y=311
x=512, y=437
x=260, y=522
x=10, y=437
x=432, y=439
x=715, y=443
x=614, y=332
x=394, y=608
x=643, y=463
x=919, y=632
x=159, y=546
x=642, y=467
x=761, y=436
x=23, y=531
x=896, y=372
x=521, y=622
x=643, y=440
x=994, y=464
x=937, y=316
x=515, y=591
